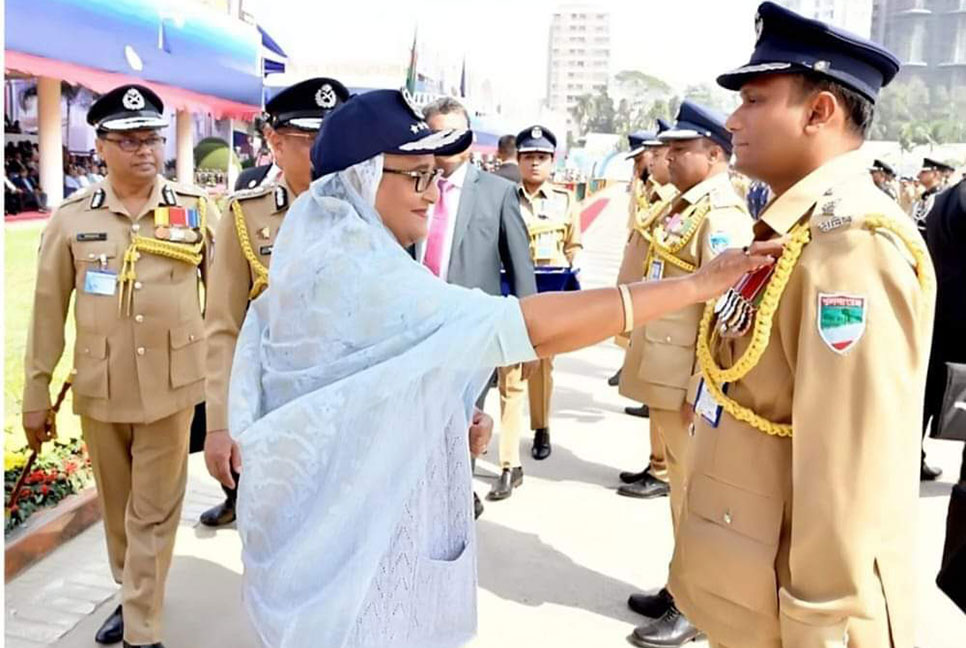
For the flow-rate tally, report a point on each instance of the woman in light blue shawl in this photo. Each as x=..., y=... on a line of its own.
x=353, y=387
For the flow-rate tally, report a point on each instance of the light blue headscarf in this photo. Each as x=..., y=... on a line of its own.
x=345, y=374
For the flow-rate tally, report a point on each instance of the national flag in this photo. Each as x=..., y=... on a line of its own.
x=411, y=73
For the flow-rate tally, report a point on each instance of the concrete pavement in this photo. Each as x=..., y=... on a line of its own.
x=557, y=560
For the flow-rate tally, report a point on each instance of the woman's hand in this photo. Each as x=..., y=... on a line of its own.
x=481, y=430
x=727, y=268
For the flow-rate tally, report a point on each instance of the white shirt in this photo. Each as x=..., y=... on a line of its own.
x=452, y=204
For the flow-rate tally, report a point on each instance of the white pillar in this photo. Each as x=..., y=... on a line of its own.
x=232, y=174
x=184, y=155
x=51, y=140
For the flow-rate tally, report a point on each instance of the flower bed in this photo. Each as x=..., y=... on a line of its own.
x=64, y=468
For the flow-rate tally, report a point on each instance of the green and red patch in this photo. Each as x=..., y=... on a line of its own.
x=841, y=320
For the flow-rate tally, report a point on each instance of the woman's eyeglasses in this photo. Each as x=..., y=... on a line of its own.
x=133, y=144
x=422, y=179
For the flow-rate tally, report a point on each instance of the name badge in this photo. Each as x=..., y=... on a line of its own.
x=656, y=271
x=546, y=246
x=265, y=250
x=91, y=236
x=100, y=282
x=707, y=406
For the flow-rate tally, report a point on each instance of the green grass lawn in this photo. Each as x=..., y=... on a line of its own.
x=20, y=247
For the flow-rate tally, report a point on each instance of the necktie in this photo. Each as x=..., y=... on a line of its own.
x=436, y=240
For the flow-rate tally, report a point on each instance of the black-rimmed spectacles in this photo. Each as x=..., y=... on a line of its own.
x=422, y=179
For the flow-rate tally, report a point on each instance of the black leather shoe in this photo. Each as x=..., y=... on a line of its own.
x=653, y=606
x=154, y=645
x=647, y=488
x=629, y=477
x=541, y=444
x=615, y=380
x=112, y=630
x=643, y=411
x=928, y=473
x=477, y=507
x=509, y=479
x=670, y=631
x=219, y=515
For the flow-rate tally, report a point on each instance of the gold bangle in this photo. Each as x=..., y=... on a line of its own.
x=628, y=305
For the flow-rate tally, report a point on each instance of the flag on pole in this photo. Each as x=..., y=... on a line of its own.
x=411, y=73
x=463, y=79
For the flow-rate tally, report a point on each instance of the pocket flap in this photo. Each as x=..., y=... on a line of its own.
x=674, y=332
x=94, y=250
x=187, y=334
x=752, y=515
x=91, y=345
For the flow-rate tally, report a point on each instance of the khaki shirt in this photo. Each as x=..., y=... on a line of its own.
x=795, y=542
x=232, y=280
x=707, y=219
x=134, y=367
x=638, y=242
x=553, y=220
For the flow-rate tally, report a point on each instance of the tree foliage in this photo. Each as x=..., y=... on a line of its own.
x=913, y=113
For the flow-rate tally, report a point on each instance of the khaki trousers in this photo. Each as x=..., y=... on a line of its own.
x=141, y=471
x=673, y=431
x=540, y=387
x=658, y=459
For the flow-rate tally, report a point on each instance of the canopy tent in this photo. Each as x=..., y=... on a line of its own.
x=190, y=54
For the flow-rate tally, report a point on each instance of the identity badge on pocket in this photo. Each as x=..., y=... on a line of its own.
x=706, y=406
x=656, y=271
x=100, y=282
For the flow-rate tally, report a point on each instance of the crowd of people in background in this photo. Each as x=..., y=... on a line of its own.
x=21, y=178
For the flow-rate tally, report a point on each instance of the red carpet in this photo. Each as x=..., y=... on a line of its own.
x=591, y=212
x=25, y=216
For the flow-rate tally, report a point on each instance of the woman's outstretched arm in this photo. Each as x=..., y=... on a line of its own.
x=561, y=322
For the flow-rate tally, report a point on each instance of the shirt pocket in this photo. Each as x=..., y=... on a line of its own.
x=668, y=354
x=730, y=542
x=187, y=362
x=90, y=376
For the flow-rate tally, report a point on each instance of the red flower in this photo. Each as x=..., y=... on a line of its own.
x=44, y=489
x=70, y=467
x=13, y=508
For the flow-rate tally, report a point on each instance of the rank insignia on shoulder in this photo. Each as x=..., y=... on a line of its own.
x=828, y=209
x=281, y=197
x=97, y=198
x=168, y=197
x=834, y=223
x=91, y=236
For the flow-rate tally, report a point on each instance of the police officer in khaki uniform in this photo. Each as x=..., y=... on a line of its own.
x=639, y=189
x=797, y=528
x=631, y=385
x=553, y=221
x=132, y=247
x=240, y=271
x=704, y=220
x=658, y=193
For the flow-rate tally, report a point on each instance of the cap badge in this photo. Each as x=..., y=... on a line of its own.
x=133, y=100
x=536, y=132
x=821, y=66
x=325, y=97
x=411, y=104
x=759, y=25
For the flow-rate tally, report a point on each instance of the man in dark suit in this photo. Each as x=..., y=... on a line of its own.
x=475, y=227
x=506, y=153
